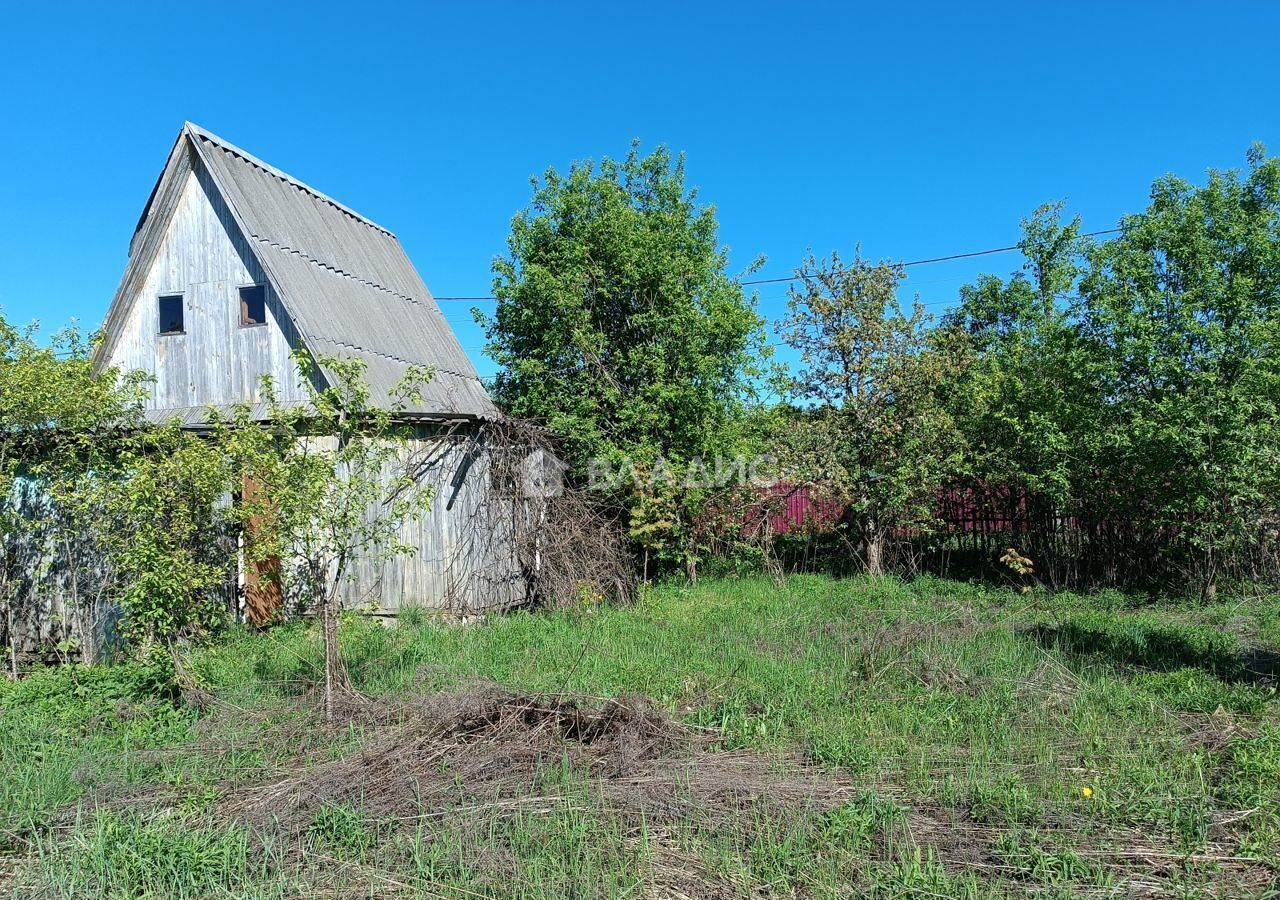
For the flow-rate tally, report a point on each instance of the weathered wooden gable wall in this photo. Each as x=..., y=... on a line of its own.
x=204, y=257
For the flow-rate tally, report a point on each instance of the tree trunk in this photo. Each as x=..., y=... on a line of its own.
x=691, y=563
x=13, y=634
x=875, y=551
x=1209, y=577
x=334, y=677
x=87, y=649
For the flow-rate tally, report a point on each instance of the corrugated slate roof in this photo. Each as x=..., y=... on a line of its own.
x=346, y=281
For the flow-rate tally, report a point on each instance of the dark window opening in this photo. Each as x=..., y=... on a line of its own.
x=171, y=314
x=253, y=305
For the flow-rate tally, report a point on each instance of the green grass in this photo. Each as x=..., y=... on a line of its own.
x=986, y=712
x=131, y=855
x=65, y=731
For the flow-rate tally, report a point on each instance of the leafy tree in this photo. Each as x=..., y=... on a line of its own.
x=56, y=420
x=126, y=511
x=166, y=529
x=878, y=435
x=655, y=521
x=617, y=323
x=1028, y=398
x=1185, y=308
x=336, y=483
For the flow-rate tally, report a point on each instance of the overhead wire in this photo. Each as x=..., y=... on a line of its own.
x=796, y=277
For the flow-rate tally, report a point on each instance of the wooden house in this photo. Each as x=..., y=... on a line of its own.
x=234, y=267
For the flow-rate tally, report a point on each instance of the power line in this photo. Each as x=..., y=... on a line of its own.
x=906, y=305
x=914, y=262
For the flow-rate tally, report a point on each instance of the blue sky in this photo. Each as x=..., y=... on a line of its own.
x=919, y=130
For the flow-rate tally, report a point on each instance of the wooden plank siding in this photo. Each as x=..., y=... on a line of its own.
x=216, y=361
x=465, y=558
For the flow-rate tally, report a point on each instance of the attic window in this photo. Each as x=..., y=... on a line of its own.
x=253, y=305
x=170, y=306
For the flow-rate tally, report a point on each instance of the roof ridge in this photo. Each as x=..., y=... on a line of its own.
x=210, y=137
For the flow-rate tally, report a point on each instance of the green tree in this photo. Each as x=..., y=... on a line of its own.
x=57, y=421
x=1185, y=308
x=165, y=525
x=1028, y=398
x=617, y=323
x=337, y=480
x=877, y=435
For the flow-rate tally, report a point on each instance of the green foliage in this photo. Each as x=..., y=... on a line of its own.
x=616, y=322
x=972, y=733
x=65, y=730
x=1149, y=640
x=133, y=512
x=1053, y=867
x=58, y=693
x=168, y=531
x=618, y=325
x=956, y=690
x=130, y=855
x=922, y=874
x=878, y=440
x=1135, y=383
x=1119, y=399
x=1028, y=400
x=336, y=481
x=1185, y=309
x=342, y=831
x=1129, y=389
x=53, y=400
x=656, y=526
x=1249, y=779
x=1004, y=800
x=58, y=420
x=853, y=826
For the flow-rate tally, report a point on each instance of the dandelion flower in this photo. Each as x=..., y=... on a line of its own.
x=1086, y=792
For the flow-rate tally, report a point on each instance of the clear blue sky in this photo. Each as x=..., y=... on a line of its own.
x=917, y=129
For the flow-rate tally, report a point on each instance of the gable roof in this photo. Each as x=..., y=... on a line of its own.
x=344, y=280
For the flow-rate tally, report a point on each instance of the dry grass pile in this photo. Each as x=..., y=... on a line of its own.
x=466, y=749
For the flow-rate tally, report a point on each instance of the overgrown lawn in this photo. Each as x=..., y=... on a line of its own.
x=841, y=737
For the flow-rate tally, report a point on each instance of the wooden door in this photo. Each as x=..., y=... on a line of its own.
x=263, y=595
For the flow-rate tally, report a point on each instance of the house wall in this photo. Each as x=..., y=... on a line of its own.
x=54, y=588
x=216, y=361
x=465, y=558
